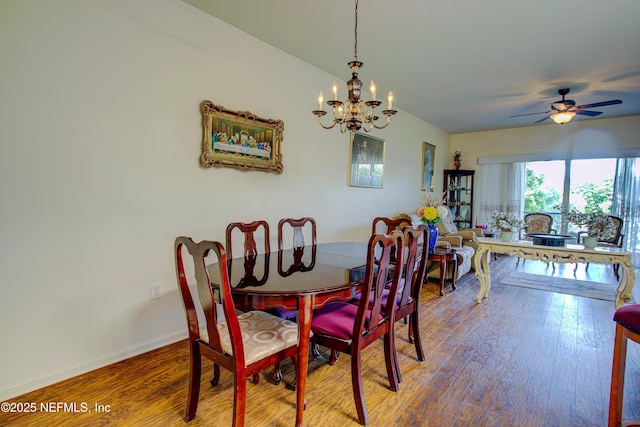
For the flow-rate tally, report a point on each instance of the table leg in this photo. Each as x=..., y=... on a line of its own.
x=443, y=273
x=487, y=274
x=305, y=314
x=623, y=293
x=454, y=271
x=479, y=261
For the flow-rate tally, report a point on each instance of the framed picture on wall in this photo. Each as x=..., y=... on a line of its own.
x=428, y=166
x=367, y=161
x=240, y=140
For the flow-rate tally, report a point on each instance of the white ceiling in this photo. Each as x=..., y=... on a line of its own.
x=462, y=65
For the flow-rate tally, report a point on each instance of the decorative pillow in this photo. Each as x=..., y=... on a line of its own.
x=447, y=226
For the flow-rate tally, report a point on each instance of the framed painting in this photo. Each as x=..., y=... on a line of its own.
x=240, y=140
x=367, y=161
x=428, y=166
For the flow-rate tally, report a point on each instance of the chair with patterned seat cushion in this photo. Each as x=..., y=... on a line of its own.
x=627, y=320
x=250, y=251
x=615, y=241
x=537, y=223
x=349, y=328
x=244, y=344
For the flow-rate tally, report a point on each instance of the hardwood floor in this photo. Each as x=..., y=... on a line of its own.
x=521, y=358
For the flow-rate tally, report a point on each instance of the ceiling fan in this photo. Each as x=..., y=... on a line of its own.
x=564, y=110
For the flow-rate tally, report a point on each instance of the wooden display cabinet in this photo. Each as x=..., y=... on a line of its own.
x=458, y=185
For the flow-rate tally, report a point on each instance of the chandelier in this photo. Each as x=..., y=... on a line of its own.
x=355, y=113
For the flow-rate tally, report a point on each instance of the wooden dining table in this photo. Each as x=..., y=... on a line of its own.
x=300, y=279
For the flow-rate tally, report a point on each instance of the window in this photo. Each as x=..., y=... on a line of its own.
x=586, y=185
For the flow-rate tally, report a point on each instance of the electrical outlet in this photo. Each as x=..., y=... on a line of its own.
x=155, y=291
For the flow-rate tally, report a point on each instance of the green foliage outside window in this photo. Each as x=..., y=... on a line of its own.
x=538, y=198
x=597, y=199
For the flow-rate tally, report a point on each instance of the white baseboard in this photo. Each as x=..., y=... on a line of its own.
x=34, y=384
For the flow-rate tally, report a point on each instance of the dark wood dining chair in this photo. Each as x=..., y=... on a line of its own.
x=250, y=250
x=409, y=288
x=231, y=341
x=627, y=320
x=387, y=225
x=297, y=226
x=349, y=328
x=249, y=230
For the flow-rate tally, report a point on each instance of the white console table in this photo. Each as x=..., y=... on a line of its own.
x=568, y=254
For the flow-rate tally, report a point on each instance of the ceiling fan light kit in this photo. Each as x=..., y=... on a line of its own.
x=563, y=117
x=355, y=113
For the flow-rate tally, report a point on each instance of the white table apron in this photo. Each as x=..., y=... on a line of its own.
x=568, y=254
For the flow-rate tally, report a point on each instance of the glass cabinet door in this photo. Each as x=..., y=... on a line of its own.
x=459, y=198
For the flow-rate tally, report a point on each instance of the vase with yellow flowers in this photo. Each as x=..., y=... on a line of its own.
x=431, y=212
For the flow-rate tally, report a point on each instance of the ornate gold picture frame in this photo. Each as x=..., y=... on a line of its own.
x=240, y=140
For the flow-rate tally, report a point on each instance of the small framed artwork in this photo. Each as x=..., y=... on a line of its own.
x=240, y=140
x=367, y=161
x=428, y=166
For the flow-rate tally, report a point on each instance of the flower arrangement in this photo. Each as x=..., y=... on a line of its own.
x=432, y=211
x=598, y=224
x=506, y=221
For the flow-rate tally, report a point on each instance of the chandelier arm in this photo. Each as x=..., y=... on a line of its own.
x=383, y=126
x=327, y=127
x=364, y=127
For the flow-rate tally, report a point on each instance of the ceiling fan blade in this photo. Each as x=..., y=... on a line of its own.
x=541, y=120
x=600, y=104
x=530, y=114
x=589, y=113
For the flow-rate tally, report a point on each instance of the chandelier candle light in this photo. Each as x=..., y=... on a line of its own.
x=353, y=114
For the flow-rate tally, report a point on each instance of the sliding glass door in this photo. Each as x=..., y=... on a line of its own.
x=586, y=185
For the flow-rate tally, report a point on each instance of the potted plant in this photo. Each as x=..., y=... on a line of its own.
x=431, y=212
x=457, y=159
x=506, y=223
x=598, y=224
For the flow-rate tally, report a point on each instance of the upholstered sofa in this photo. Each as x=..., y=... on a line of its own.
x=469, y=236
x=464, y=252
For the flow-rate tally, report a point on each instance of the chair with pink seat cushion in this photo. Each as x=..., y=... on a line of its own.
x=408, y=297
x=237, y=342
x=350, y=328
x=627, y=320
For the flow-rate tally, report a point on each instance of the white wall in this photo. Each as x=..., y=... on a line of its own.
x=100, y=134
